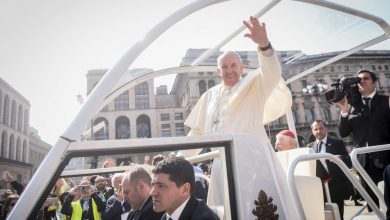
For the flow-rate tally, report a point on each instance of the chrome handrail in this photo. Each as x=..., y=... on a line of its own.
x=363, y=173
x=343, y=167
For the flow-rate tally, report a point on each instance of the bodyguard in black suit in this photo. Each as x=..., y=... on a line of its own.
x=195, y=209
x=173, y=186
x=340, y=187
x=370, y=128
x=145, y=212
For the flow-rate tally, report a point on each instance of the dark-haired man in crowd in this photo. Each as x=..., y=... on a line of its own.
x=173, y=185
x=370, y=128
x=339, y=186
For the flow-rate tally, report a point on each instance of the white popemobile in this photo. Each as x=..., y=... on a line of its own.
x=250, y=187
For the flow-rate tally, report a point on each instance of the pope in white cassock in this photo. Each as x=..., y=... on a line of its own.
x=243, y=105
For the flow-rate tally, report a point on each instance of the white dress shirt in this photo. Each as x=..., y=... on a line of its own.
x=176, y=214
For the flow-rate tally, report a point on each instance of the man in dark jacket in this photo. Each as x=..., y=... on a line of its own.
x=173, y=186
x=369, y=125
x=339, y=186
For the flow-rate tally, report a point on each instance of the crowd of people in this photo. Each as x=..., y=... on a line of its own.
x=146, y=192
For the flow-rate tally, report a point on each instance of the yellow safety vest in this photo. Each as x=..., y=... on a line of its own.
x=77, y=211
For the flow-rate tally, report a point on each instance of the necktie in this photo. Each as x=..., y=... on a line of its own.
x=319, y=148
x=367, y=101
x=169, y=218
x=322, y=160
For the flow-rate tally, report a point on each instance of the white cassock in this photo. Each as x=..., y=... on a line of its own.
x=257, y=99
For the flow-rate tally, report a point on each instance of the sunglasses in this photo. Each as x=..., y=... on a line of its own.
x=12, y=204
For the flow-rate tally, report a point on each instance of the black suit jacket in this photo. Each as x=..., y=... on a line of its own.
x=196, y=210
x=114, y=208
x=145, y=212
x=373, y=129
x=339, y=185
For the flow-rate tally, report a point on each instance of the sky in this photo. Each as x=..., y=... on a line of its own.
x=47, y=46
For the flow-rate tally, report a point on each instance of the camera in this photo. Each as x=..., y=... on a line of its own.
x=347, y=87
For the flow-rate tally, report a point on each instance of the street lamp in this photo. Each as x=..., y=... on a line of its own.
x=315, y=89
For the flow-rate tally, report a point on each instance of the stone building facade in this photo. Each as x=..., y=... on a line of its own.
x=38, y=149
x=138, y=112
x=16, y=145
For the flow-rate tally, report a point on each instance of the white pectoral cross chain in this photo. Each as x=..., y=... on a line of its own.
x=223, y=98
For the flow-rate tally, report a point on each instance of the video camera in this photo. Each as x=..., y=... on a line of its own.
x=347, y=87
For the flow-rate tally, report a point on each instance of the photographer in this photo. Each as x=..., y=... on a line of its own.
x=88, y=206
x=369, y=126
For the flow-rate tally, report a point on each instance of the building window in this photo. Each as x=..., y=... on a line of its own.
x=11, y=147
x=1, y=105
x=20, y=118
x=6, y=110
x=373, y=67
x=13, y=115
x=304, y=83
x=122, y=128
x=309, y=115
x=25, y=124
x=143, y=127
x=346, y=68
x=202, y=87
x=100, y=129
x=388, y=80
x=179, y=129
x=178, y=116
x=164, y=117
x=332, y=69
x=327, y=115
x=122, y=102
x=294, y=113
x=211, y=84
x=166, y=130
x=379, y=67
x=4, y=145
x=386, y=67
x=142, y=96
x=18, y=150
x=24, y=152
x=201, y=73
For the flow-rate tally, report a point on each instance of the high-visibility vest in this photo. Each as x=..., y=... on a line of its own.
x=77, y=210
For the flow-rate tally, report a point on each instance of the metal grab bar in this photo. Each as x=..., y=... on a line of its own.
x=203, y=157
x=343, y=167
x=363, y=173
